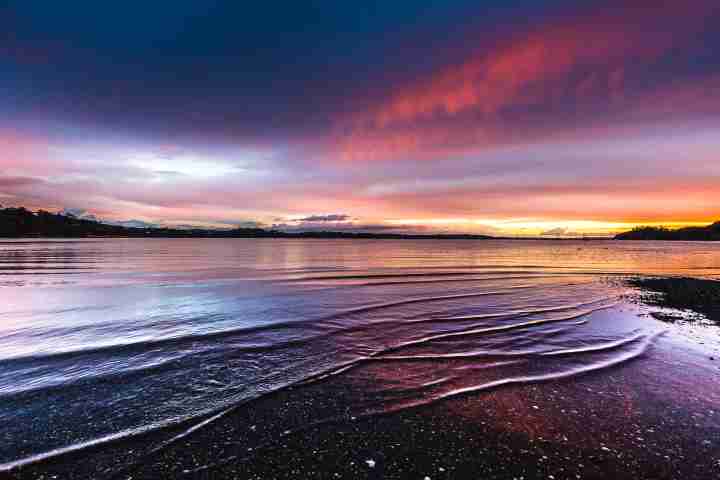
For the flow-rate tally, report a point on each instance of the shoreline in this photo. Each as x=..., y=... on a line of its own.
x=313, y=236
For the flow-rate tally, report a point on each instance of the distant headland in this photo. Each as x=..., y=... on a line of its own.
x=21, y=222
x=708, y=233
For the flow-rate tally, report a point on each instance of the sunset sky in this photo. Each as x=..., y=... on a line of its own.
x=514, y=117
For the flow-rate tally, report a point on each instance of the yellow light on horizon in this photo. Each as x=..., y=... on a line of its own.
x=536, y=227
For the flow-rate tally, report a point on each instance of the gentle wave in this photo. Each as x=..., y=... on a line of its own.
x=380, y=357
x=411, y=322
x=593, y=367
x=503, y=328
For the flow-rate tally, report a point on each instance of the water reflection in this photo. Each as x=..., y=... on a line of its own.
x=104, y=338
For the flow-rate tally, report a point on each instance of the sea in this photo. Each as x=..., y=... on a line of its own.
x=105, y=339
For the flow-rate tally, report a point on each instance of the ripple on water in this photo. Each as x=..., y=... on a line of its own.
x=121, y=337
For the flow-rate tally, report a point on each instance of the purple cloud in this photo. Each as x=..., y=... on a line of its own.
x=338, y=217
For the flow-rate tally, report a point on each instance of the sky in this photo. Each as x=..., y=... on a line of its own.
x=511, y=117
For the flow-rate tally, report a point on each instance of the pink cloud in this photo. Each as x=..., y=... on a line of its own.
x=513, y=91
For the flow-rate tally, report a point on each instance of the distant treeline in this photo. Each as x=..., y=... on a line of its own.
x=21, y=222
x=709, y=233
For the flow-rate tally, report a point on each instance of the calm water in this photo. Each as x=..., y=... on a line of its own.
x=101, y=339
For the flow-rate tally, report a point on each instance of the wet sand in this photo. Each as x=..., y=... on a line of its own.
x=655, y=417
x=609, y=426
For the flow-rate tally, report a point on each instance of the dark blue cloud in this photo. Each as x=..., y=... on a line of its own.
x=236, y=69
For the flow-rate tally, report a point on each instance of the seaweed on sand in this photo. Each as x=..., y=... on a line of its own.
x=694, y=294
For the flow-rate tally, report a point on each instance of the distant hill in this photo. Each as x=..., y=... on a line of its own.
x=21, y=222
x=709, y=233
